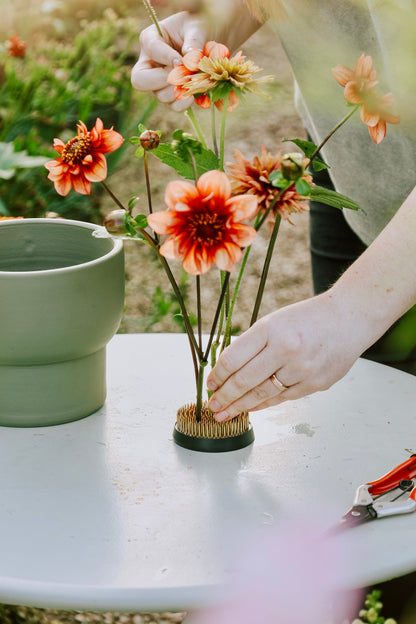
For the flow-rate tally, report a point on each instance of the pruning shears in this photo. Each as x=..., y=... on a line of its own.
x=392, y=494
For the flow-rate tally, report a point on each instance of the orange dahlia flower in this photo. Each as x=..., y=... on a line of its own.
x=81, y=160
x=359, y=88
x=204, y=223
x=16, y=47
x=9, y=218
x=204, y=70
x=252, y=177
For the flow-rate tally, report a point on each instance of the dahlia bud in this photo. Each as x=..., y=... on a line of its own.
x=149, y=140
x=115, y=222
x=292, y=166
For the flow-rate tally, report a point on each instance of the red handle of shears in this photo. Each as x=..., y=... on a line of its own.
x=406, y=470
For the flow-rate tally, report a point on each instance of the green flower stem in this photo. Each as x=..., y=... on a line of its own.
x=113, y=197
x=192, y=118
x=265, y=271
x=270, y=207
x=199, y=309
x=320, y=146
x=200, y=389
x=195, y=350
x=228, y=324
x=153, y=16
x=146, y=174
x=222, y=135
x=213, y=130
x=217, y=314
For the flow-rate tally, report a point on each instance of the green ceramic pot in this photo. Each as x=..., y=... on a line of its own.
x=61, y=300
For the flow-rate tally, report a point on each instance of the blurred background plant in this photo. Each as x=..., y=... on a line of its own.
x=68, y=62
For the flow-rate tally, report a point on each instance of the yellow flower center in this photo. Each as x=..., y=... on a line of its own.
x=76, y=149
x=206, y=228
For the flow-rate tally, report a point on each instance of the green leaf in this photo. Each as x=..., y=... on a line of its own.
x=11, y=160
x=332, y=198
x=134, y=140
x=141, y=128
x=277, y=180
x=139, y=152
x=308, y=149
x=140, y=221
x=181, y=162
x=132, y=202
x=303, y=187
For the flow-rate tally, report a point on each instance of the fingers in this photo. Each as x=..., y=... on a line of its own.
x=263, y=394
x=147, y=78
x=243, y=350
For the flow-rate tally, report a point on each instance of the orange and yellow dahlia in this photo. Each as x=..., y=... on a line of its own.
x=360, y=88
x=81, y=160
x=252, y=177
x=204, y=223
x=202, y=71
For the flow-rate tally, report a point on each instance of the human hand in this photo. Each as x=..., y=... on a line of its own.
x=181, y=33
x=308, y=345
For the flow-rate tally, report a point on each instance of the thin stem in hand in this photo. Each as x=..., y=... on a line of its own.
x=153, y=16
x=192, y=118
x=320, y=146
x=265, y=271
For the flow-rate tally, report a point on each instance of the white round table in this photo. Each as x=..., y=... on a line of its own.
x=107, y=513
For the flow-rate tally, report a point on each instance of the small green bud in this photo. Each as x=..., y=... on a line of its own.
x=115, y=222
x=357, y=621
x=292, y=166
x=149, y=140
x=372, y=615
x=363, y=613
x=390, y=621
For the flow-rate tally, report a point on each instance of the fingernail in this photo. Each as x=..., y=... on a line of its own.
x=214, y=405
x=221, y=416
x=211, y=385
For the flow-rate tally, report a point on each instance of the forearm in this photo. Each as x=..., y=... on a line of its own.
x=381, y=285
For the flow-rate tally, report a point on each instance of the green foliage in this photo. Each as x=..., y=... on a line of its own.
x=164, y=304
x=45, y=94
x=371, y=614
x=332, y=198
x=185, y=154
x=308, y=149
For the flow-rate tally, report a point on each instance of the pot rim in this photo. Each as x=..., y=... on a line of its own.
x=117, y=245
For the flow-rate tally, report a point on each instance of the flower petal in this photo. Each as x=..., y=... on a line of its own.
x=97, y=170
x=161, y=221
x=81, y=185
x=363, y=66
x=216, y=183
x=243, y=207
x=178, y=76
x=378, y=132
x=242, y=235
x=342, y=74
x=203, y=101
x=227, y=255
x=191, y=59
x=352, y=94
x=180, y=191
x=369, y=118
x=110, y=140
x=216, y=50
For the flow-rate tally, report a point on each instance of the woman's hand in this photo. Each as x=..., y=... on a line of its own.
x=181, y=33
x=308, y=346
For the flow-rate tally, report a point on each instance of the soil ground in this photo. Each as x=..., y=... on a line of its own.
x=255, y=122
